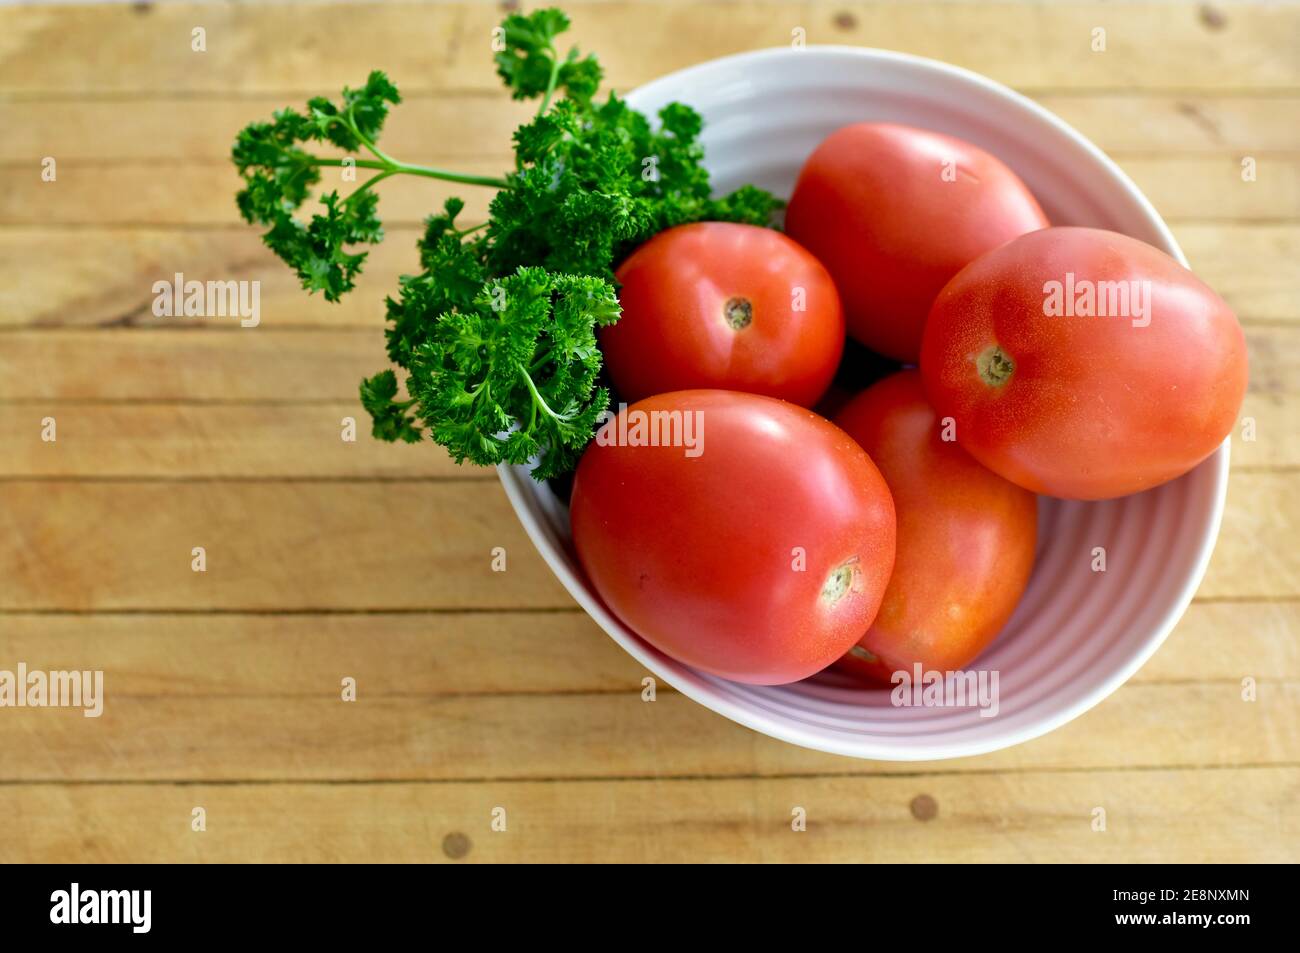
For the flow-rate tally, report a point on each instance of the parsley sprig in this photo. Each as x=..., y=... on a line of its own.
x=497, y=331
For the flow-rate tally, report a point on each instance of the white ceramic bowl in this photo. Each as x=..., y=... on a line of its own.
x=1077, y=634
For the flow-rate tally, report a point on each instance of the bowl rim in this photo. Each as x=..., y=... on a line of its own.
x=519, y=486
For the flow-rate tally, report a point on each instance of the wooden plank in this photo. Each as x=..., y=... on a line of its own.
x=1256, y=556
x=68, y=375
x=116, y=269
x=238, y=364
x=192, y=655
x=1150, y=816
x=278, y=545
x=270, y=438
x=190, y=194
x=405, y=545
x=1249, y=638
x=455, y=653
x=1211, y=188
x=183, y=442
x=1277, y=440
x=78, y=51
x=458, y=124
x=1177, y=122
x=305, y=441
x=108, y=132
x=1249, y=265
x=319, y=737
x=1274, y=354
x=1049, y=44
x=1271, y=404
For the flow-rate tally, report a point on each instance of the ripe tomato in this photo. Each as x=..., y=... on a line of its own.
x=966, y=537
x=893, y=212
x=721, y=305
x=1084, y=364
x=761, y=559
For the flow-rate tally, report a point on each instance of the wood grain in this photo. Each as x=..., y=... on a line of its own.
x=298, y=655
x=319, y=737
x=269, y=545
x=176, y=364
x=214, y=441
x=1246, y=815
x=112, y=286
x=179, y=364
x=201, y=194
x=415, y=545
x=427, y=47
x=207, y=423
x=171, y=442
x=330, y=559
x=108, y=132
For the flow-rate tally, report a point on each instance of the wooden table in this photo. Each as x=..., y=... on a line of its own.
x=479, y=690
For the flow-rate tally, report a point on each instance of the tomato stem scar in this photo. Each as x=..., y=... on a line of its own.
x=839, y=581
x=995, y=366
x=859, y=652
x=738, y=312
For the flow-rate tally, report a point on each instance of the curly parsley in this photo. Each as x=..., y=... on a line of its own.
x=497, y=332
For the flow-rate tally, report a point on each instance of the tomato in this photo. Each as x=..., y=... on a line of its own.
x=722, y=305
x=761, y=558
x=893, y=212
x=966, y=537
x=1084, y=364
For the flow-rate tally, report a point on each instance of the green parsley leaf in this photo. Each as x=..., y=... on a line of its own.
x=392, y=417
x=497, y=330
x=514, y=375
x=279, y=176
x=531, y=66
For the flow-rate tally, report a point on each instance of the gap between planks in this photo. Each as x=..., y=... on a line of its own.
x=642, y=778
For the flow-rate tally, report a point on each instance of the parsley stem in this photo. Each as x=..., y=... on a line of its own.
x=550, y=83
x=368, y=183
x=387, y=162
x=538, y=399
x=424, y=170
x=350, y=121
x=540, y=360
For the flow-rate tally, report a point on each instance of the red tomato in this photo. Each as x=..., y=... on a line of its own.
x=965, y=537
x=1084, y=364
x=722, y=305
x=761, y=559
x=894, y=212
